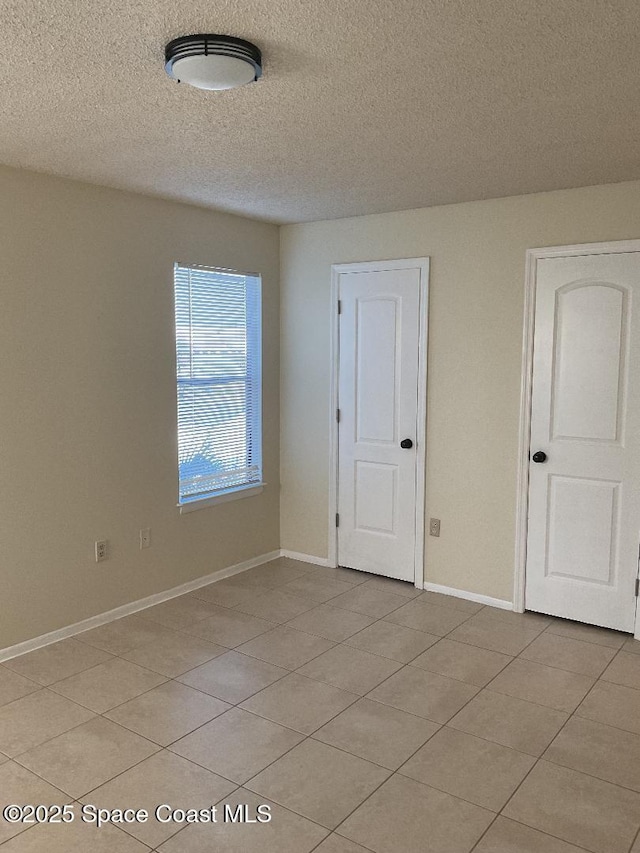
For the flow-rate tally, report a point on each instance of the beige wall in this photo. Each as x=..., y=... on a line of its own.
x=477, y=255
x=87, y=415
x=88, y=401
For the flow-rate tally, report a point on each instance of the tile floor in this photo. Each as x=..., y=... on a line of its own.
x=370, y=716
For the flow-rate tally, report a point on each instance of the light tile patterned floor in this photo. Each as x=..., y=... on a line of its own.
x=370, y=716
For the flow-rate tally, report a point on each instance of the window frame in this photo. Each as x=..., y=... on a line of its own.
x=252, y=414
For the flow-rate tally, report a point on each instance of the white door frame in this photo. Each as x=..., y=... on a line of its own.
x=522, y=497
x=421, y=427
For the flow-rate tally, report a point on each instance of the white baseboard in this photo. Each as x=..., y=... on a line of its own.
x=132, y=607
x=306, y=558
x=469, y=596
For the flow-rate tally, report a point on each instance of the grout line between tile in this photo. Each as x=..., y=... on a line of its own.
x=634, y=841
x=541, y=757
x=535, y=829
x=620, y=648
x=356, y=699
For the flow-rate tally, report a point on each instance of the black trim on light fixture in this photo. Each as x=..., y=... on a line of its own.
x=204, y=44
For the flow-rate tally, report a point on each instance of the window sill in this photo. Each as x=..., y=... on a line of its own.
x=222, y=497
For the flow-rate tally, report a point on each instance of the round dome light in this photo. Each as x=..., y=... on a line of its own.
x=215, y=62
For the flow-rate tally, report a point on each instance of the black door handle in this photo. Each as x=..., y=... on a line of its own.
x=539, y=456
x=406, y=443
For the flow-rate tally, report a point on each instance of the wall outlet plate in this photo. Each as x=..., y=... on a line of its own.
x=434, y=527
x=101, y=550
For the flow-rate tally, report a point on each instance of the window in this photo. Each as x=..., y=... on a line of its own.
x=218, y=346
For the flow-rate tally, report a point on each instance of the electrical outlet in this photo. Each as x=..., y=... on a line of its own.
x=145, y=537
x=434, y=527
x=101, y=550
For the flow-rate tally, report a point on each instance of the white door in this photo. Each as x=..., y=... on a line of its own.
x=378, y=399
x=584, y=497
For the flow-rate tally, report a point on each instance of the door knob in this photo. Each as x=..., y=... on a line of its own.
x=539, y=456
x=406, y=443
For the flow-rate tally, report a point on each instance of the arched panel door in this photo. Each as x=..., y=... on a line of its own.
x=584, y=494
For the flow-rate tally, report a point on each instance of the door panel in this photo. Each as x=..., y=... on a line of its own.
x=375, y=491
x=584, y=500
x=376, y=378
x=590, y=337
x=378, y=401
x=583, y=519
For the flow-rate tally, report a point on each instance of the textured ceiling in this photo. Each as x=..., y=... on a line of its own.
x=365, y=106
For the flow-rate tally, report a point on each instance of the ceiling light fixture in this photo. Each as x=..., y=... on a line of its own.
x=209, y=61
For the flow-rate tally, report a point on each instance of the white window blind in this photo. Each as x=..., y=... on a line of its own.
x=218, y=346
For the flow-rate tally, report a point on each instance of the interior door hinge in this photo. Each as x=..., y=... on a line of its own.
x=338, y=415
x=339, y=306
x=637, y=587
x=337, y=520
